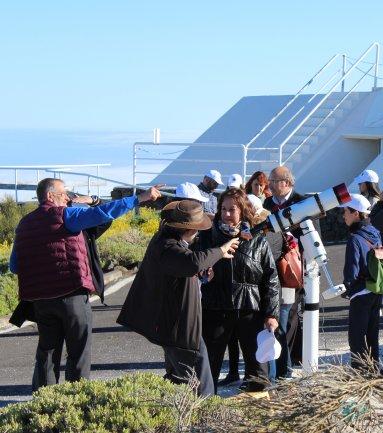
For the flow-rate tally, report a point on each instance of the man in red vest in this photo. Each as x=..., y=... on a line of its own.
x=51, y=260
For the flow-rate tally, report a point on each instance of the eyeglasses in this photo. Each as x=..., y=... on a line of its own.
x=277, y=180
x=61, y=194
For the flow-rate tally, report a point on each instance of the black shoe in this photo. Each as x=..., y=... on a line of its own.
x=253, y=386
x=230, y=378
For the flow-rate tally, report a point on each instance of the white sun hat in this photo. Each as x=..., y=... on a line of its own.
x=367, y=176
x=358, y=202
x=215, y=175
x=268, y=346
x=190, y=190
x=234, y=181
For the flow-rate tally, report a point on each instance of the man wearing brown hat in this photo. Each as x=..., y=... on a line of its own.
x=164, y=302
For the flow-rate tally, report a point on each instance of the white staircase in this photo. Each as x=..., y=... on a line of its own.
x=326, y=136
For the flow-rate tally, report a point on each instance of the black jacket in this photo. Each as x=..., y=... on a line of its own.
x=91, y=235
x=164, y=302
x=248, y=282
x=376, y=216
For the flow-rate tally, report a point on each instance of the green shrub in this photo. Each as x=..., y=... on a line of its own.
x=8, y=293
x=10, y=215
x=135, y=403
x=125, y=249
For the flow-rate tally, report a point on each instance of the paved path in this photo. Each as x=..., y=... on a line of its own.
x=116, y=351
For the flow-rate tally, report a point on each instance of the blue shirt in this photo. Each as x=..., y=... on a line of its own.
x=77, y=219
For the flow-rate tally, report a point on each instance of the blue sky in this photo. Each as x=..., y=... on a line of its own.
x=123, y=65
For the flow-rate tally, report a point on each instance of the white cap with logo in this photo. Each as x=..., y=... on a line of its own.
x=190, y=191
x=358, y=202
x=367, y=176
x=215, y=175
x=235, y=181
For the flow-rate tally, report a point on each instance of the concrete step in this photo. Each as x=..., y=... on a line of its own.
x=309, y=130
x=298, y=138
x=316, y=120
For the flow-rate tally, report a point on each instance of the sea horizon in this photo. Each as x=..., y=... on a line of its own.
x=27, y=146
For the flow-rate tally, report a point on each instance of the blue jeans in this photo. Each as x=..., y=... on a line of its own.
x=283, y=321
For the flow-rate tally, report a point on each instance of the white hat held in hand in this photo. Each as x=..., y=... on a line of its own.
x=268, y=346
x=190, y=191
x=358, y=202
x=215, y=175
x=367, y=176
x=235, y=181
x=260, y=211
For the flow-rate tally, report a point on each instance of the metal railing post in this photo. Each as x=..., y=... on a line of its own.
x=88, y=185
x=343, y=70
x=98, y=182
x=244, y=164
x=377, y=55
x=134, y=168
x=16, y=192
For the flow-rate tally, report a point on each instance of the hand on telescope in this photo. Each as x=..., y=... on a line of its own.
x=271, y=324
x=150, y=194
x=229, y=248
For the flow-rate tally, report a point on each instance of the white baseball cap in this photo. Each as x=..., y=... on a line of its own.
x=215, y=175
x=235, y=180
x=268, y=346
x=367, y=176
x=190, y=191
x=358, y=202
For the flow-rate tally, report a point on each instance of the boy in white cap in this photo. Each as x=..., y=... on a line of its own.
x=363, y=331
x=209, y=183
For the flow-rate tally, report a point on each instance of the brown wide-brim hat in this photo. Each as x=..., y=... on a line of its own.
x=185, y=214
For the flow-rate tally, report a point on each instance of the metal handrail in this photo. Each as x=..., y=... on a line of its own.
x=283, y=109
x=303, y=107
x=139, y=146
x=106, y=179
x=374, y=45
x=64, y=168
x=328, y=115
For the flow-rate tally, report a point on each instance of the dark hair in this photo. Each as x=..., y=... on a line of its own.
x=262, y=179
x=373, y=189
x=241, y=200
x=44, y=186
x=173, y=232
x=362, y=216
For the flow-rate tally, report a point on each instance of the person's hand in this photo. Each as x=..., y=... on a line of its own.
x=82, y=199
x=150, y=194
x=271, y=324
x=229, y=248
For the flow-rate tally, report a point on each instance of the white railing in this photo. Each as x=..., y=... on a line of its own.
x=340, y=81
x=329, y=93
x=54, y=169
x=195, y=175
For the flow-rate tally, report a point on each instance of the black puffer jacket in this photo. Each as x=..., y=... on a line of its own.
x=248, y=282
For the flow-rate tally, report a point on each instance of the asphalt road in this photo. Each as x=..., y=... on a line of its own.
x=117, y=352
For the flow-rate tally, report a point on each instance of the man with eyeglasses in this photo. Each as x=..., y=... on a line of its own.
x=51, y=260
x=281, y=183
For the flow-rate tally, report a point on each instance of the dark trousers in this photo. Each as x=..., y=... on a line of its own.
x=217, y=329
x=233, y=349
x=363, y=328
x=66, y=319
x=180, y=363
